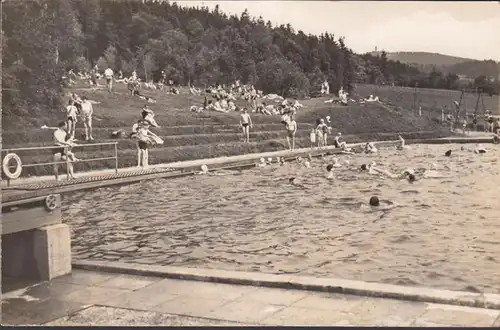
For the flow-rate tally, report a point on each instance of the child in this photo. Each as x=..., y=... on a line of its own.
x=313, y=138
x=144, y=138
x=72, y=114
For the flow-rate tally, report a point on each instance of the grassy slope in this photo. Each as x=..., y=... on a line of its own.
x=431, y=100
x=191, y=136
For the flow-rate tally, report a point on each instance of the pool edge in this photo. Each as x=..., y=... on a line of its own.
x=359, y=288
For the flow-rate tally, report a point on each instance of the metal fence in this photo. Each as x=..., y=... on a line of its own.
x=67, y=161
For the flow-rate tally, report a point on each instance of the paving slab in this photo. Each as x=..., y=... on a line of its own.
x=85, y=277
x=18, y=311
x=129, y=282
x=92, y=295
x=139, y=300
x=457, y=316
x=108, y=316
x=247, y=311
x=299, y=316
x=329, y=301
x=192, y=306
x=386, y=312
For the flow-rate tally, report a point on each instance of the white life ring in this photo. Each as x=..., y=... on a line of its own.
x=6, y=168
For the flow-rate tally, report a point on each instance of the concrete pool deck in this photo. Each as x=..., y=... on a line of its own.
x=88, y=298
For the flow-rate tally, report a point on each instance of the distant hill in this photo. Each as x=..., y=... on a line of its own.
x=446, y=63
x=424, y=58
x=475, y=68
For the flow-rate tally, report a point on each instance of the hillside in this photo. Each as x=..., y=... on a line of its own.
x=475, y=68
x=424, y=58
x=447, y=64
x=190, y=135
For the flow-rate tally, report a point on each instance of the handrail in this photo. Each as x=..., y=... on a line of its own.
x=57, y=147
x=67, y=161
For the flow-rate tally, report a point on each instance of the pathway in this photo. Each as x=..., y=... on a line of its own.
x=106, y=299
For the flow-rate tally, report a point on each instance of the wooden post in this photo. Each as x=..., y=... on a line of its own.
x=116, y=158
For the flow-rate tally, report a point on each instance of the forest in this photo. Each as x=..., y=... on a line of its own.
x=42, y=39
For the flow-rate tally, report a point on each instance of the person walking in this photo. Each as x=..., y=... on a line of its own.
x=246, y=124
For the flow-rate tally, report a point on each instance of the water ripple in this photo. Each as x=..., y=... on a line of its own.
x=440, y=231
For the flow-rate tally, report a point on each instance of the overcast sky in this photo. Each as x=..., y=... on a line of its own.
x=464, y=29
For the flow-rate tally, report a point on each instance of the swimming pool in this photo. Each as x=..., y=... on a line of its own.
x=441, y=232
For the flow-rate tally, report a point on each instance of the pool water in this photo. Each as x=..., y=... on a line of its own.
x=442, y=231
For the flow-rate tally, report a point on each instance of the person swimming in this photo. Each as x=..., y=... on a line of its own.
x=336, y=163
x=329, y=171
x=370, y=148
x=480, y=149
x=374, y=201
x=407, y=174
x=204, y=170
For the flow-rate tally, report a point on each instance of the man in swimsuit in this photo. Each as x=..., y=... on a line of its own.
x=87, y=111
x=246, y=124
x=291, y=128
x=63, y=139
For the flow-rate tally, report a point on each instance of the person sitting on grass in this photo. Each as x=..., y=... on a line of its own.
x=148, y=114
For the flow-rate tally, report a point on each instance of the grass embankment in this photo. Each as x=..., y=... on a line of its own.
x=190, y=135
x=431, y=100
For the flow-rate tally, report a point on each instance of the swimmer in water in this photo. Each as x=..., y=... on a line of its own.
x=406, y=174
x=329, y=171
x=480, y=149
x=402, y=143
x=262, y=162
x=370, y=148
x=295, y=181
x=336, y=163
x=204, y=170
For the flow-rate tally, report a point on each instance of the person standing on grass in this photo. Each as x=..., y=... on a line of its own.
x=108, y=74
x=87, y=111
x=291, y=128
x=64, y=140
x=72, y=113
x=246, y=124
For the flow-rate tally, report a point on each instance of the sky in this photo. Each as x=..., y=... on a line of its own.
x=463, y=29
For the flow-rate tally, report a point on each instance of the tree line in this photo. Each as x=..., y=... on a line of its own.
x=44, y=38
